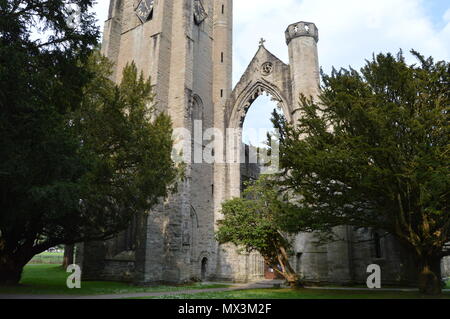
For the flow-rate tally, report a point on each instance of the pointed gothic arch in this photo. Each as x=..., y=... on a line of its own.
x=265, y=74
x=250, y=94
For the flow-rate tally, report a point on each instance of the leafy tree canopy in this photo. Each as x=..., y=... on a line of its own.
x=255, y=223
x=374, y=152
x=79, y=154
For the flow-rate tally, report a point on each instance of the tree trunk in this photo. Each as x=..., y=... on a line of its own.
x=287, y=271
x=68, y=255
x=293, y=279
x=430, y=275
x=10, y=271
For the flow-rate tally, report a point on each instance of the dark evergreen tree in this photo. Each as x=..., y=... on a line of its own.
x=374, y=152
x=79, y=155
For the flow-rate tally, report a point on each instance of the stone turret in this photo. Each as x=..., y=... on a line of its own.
x=222, y=86
x=302, y=38
x=222, y=50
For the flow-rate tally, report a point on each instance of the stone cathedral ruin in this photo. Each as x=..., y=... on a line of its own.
x=185, y=46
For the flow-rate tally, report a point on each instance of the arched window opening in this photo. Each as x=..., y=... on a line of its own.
x=299, y=263
x=258, y=121
x=204, y=270
x=377, y=245
x=256, y=127
x=197, y=118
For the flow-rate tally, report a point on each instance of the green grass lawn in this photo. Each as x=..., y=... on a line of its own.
x=51, y=279
x=48, y=258
x=302, y=294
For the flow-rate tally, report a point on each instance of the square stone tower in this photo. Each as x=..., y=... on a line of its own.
x=185, y=47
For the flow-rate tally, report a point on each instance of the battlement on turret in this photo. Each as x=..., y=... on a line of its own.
x=301, y=29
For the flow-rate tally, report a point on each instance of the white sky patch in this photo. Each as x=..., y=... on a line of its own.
x=447, y=16
x=101, y=8
x=350, y=31
x=258, y=121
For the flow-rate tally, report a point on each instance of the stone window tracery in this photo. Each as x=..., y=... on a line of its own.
x=144, y=10
x=199, y=12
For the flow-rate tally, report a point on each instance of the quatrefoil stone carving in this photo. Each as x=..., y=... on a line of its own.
x=267, y=68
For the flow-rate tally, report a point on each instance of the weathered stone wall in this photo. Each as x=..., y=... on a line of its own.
x=345, y=260
x=201, y=219
x=177, y=54
x=92, y=257
x=251, y=168
x=397, y=266
x=310, y=259
x=120, y=267
x=445, y=267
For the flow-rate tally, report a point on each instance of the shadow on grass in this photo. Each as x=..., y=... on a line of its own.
x=51, y=280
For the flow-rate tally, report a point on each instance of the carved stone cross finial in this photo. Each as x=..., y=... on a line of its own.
x=261, y=42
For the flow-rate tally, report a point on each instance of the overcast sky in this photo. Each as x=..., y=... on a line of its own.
x=349, y=30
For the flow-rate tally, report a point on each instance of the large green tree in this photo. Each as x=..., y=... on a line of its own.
x=374, y=152
x=79, y=155
x=254, y=222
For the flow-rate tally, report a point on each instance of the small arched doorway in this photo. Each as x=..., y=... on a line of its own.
x=204, y=269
